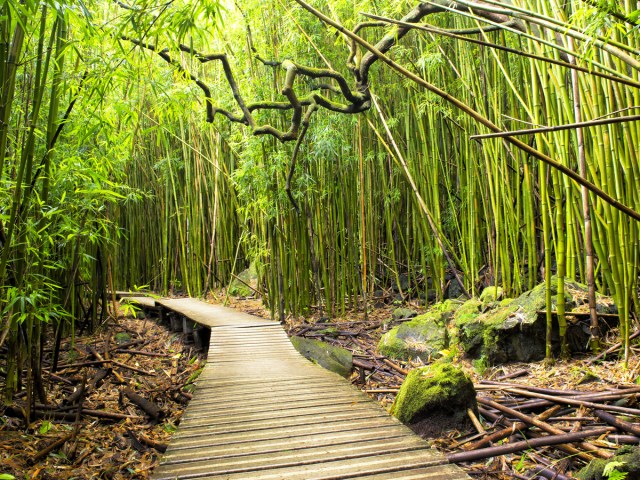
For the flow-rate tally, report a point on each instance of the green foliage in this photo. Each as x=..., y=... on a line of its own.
x=610, y=471
x=481, y=365
x=45, y=427
x=138, y=185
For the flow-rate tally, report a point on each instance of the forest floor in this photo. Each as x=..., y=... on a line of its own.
x=133, y=380
x=137, y=379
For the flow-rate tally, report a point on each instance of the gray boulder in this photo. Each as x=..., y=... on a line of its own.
x=423, y=336
x=515, y=331
x=334, y=359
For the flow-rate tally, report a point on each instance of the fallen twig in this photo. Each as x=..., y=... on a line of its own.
x=47, y=450
x=147, y=406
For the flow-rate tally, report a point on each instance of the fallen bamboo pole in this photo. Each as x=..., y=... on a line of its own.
x=545, y=441
x=574, y=401
x=549, y=429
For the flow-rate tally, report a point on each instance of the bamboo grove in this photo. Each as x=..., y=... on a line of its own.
x=112, y=177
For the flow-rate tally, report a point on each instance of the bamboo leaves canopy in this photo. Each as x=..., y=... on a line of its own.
x=328, y=144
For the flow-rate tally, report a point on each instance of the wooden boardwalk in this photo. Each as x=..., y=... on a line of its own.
x=262, y=411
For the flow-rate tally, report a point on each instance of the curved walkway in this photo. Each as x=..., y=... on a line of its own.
x=262, y=411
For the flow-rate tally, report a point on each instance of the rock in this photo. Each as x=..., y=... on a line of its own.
x=491, y=294
x=626, y=460
x=454, y=290
x=403, y=284
x=464, y=318
x=436, y=390
x=334, y=359
x=122, y=337
x=423, y=336
x=513, y=330
x=248, y=276
x=429, y=296
x=402, y=313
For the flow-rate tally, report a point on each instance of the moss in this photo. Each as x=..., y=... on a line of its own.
x=627, y=460
x=332, y=358
x=505, y=302
x=329, y=332
x=480, y=365
x=446, y=308
x=422, y=336
x=122, y=337
x=402, y=313
x=513, y=330
x=249, y=276
x=467, y=311
x=491, y=294
x=437, y=389
x=468, y=332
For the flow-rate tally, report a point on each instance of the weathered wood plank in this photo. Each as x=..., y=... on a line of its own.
x=212, y=427
x=279, y=444
x=297, y=457
x=264, y=404
x=291, y=433
x=331, y=468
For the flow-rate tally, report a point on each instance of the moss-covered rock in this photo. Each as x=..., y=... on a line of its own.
x=464, y=321
x=435, y=390
x=423, y=336
x=626, y=460
x=505, y=301
x=402, y=313
x=491, y=294
x=514, y=331
x=122, y=337
x=332, y=358
x=248, y=277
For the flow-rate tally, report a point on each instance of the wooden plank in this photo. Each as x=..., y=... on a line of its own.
x=305, y=427
x=296, y=457
x=435, y=473
x=279, y=444
x=336, y=468
x=288, y=411
x=309, y=416
x=128, y=293
x=292, y=433
x=235, y=401
x=210, y=380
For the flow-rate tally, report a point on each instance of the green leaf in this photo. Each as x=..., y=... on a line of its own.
x=611, y=473
x=101, y=192
x=7, y=476
x=520, y=465
x=169, y=428
x=45, y=427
